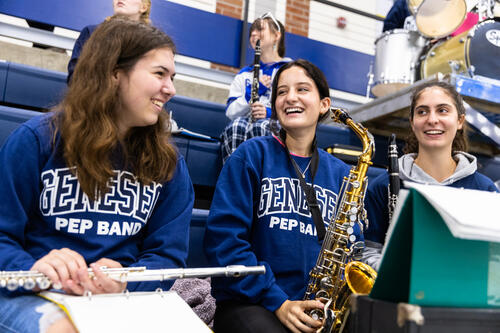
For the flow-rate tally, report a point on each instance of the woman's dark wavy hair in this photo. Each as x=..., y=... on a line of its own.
x=86, y=119
x=460, y=143
x=313, y=72
x=257, y=25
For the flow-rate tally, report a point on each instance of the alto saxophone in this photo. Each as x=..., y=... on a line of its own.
x=336, y=274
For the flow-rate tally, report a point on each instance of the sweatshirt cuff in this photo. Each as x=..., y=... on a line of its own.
x=273, y=298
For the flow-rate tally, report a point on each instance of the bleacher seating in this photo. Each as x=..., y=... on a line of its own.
x=207, y=118
x=30, y=87
x=199, y=116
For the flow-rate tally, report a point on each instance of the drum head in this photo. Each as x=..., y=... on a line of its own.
x=439, y=18
x=484, y=49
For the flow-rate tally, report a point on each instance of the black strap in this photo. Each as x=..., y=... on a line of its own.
x=309, y=191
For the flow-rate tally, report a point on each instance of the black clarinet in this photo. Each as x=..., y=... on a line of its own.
x=254, y=96
x=394, y=182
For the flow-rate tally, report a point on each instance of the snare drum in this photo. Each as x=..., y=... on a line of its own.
x=437, y=18
x=396, y=56
x=473, y=52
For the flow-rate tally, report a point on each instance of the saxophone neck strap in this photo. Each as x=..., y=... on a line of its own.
x=309, y=191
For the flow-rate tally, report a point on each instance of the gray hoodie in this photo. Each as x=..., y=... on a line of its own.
x=408, y=170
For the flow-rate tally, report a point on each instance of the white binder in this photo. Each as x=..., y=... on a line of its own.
x=129, y=312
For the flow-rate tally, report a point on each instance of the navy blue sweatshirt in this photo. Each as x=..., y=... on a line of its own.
x=42, y=208
x=259, y=216
x=465, y=176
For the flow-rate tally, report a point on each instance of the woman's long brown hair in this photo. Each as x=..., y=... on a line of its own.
x=86, y=119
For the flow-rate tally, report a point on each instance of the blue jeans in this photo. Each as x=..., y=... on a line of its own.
x=27, y=314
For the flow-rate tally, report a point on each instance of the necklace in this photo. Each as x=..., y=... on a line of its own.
x=305, y=170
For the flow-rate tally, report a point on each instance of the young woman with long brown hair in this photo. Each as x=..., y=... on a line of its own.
x=96, y=182
x=435, y=153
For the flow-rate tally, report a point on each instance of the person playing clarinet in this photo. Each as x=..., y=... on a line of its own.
x=248, y=105
x=435, y=153
x=96, y=182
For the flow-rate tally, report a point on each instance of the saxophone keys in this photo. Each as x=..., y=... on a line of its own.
x=3, y=283
x=354, y=210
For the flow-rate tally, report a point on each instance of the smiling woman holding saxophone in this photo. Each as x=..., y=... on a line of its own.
x=96, y=182
x=261, y=211
x=435, y=154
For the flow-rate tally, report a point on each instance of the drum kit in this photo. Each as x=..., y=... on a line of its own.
x=403, y=56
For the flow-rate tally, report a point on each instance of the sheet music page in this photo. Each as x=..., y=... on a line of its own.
x=469, y=214
x=137, y=312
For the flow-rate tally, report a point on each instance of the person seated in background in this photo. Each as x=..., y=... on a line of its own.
x=397, y=16
x=96, y=182
x=400, y=17
x=138, y=10
x=435, y=153
x=260, y=215
x=249, y=120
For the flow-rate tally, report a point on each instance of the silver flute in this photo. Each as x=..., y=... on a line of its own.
x=31, y=279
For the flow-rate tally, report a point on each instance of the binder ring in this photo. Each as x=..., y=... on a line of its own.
x=159, y=291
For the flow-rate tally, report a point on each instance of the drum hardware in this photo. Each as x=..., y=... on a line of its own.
x=454, y=66
x=485, y=9
x=472, y=51
x=471, y=70
x=370, y=80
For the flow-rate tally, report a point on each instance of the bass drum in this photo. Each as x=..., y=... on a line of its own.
x=473, y=52
x=396, y=57
x=437, y=18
